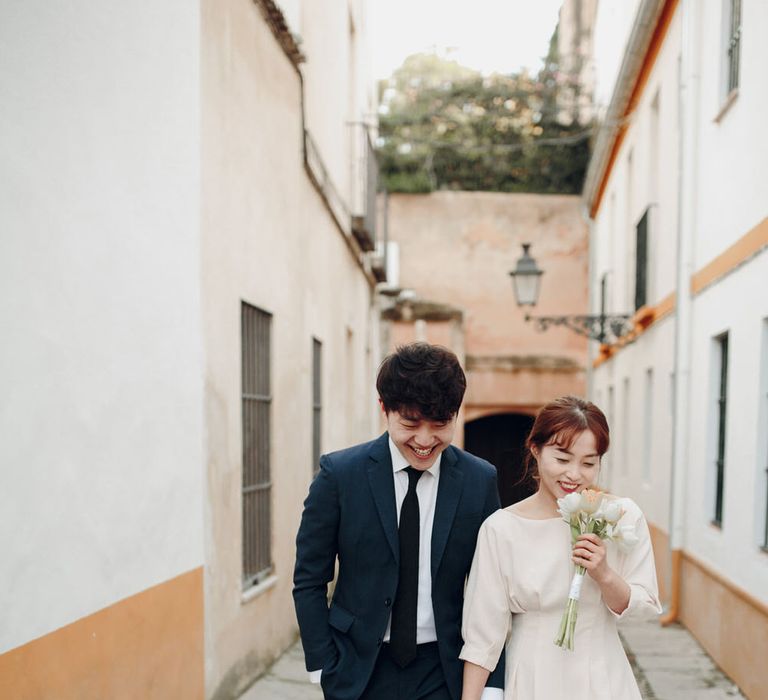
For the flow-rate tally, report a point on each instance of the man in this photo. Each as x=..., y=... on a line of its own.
x=401, y=514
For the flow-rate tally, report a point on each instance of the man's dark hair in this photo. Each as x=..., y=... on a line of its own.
x=423, y=377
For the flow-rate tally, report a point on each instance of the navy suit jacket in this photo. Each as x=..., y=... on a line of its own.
x=350, y=513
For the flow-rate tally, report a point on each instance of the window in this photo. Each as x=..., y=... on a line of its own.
x=732, y=36
x=256, y=405
x=628, y=230
x=648, y=425
x=721, y=408
x=317, y=404
x=641, y=261
x=654, y=152
x=612, y=427
x=625, y=428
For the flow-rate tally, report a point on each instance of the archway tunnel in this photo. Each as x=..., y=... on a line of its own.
x=500, y=439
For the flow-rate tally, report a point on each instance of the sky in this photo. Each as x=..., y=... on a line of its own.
x=488, y=35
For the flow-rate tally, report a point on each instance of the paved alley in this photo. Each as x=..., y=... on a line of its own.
x=668, y=662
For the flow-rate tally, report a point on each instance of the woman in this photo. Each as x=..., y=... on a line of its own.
x=523, y=565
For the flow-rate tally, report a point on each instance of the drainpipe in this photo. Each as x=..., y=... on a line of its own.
x=688, y=100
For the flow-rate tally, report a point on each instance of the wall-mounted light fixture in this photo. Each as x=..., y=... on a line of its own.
x=526, y=282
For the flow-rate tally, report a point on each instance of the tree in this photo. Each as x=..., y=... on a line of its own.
x=445, y=126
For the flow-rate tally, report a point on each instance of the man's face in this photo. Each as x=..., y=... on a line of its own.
x=419, y=440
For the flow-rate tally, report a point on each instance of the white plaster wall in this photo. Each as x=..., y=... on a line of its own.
x=269, y=240
x=101, y=363
x=732, y=184
x=733, y=549
x=731, y=199
x=329, y=106
x=336, y=42
x=623, y=470
x=648, y=182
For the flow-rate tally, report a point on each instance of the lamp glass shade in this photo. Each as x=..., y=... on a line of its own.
x=526, y=287
x=526, y=278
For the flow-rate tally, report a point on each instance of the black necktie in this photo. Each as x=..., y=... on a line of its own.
x=402, y=634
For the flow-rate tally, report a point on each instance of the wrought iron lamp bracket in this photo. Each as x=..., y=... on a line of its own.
x=604, y=329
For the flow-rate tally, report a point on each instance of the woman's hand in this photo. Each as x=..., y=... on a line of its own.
x=589, y=552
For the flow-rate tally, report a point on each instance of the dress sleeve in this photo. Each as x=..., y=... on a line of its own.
x=637, y=566
x=487, y=612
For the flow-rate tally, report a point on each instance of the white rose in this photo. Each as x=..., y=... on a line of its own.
x=568, y=505
x=610, y=511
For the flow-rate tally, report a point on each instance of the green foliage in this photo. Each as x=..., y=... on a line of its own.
x=444, y=126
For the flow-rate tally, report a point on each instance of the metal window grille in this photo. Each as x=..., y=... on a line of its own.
x=256, y=405
x=722, y=404
x=317, y=403
x=734, y=45
x=641, y=261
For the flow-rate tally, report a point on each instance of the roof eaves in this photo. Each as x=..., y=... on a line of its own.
x=619, y=108
x=277, y=23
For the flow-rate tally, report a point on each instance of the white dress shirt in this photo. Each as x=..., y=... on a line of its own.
x=426, y=492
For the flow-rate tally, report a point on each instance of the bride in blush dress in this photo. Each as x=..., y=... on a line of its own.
x=524, y=561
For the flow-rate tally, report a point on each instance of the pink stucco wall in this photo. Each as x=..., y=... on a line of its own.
x=457, y=248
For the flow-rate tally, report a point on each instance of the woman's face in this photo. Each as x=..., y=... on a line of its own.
x=563, y=470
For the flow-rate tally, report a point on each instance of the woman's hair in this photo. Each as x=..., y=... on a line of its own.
x=560, y=422
x=422, y=377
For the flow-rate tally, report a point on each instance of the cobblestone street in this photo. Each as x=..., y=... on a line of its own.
x=668, y=662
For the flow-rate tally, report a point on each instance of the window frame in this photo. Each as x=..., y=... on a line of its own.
x=730, y=55
x=721, y=411
x=256, y=417
x=641, y=259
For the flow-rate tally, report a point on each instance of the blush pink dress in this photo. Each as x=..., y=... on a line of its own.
x=516, y=594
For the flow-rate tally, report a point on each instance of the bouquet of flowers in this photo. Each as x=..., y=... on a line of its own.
x=588, y=512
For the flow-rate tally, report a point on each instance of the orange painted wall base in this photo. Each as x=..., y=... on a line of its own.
x=660, y=544
x=148, y=646
x=731, y=625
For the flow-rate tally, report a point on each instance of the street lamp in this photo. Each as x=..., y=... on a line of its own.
x=526, y=278
x=605, y=328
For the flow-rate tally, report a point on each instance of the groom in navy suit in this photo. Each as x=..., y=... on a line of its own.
x=401, y=515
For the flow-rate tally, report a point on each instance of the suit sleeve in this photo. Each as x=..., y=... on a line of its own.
x=316, y=550
x=493, y=503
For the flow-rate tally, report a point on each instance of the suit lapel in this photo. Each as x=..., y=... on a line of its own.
x=382, y=484
x=448, y=494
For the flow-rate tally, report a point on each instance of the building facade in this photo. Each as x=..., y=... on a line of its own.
x=187, y=280
x=453, y=252
x=284, y=263
x=102, y=424
x=678, y=201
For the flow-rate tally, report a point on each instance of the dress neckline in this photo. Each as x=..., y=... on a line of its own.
x=533, y=520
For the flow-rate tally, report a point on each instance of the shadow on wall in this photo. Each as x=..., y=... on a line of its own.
x=501, y=440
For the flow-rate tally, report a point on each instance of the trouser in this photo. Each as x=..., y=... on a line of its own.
x=422, y=679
